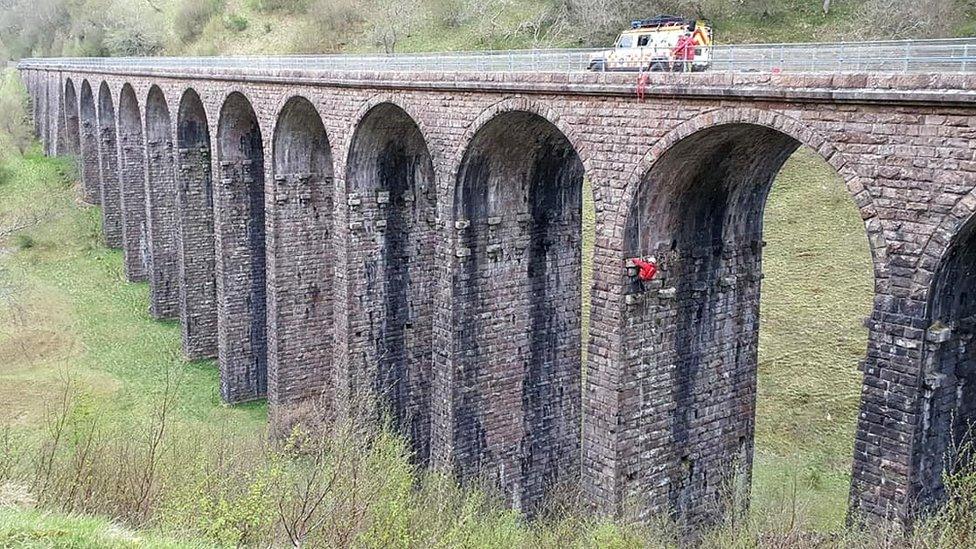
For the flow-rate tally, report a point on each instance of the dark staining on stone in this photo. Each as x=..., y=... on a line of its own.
x=301, y=262
x=240, y=237
x=108, y=153
x=88, y=128
x=700, y=208
x=132, y=184
x=196, y=253
x=71, y=124
x=392, y=266
x=162, y=218
x=518, y=296
x=948, y=377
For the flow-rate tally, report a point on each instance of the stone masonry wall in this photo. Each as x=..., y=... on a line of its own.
x=90, y=174
x=132, y=184
x=161, y=209
x=108, y=162
x=195, y=231
x=300, y=266
x=665, y=399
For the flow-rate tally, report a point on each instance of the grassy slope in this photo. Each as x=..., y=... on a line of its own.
x=279, y=33
x=68, y=313
x=817, y=291
x=20, y=528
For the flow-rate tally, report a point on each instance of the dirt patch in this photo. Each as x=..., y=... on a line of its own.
x=28, y=348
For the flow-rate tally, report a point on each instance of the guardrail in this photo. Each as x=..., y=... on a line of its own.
x=936, y=56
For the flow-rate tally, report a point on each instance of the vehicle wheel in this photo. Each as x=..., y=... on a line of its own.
x=659, y=66
x=598, y=66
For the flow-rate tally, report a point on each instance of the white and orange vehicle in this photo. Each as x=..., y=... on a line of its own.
x=662, y=43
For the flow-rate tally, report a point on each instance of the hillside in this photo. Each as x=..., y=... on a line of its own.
x=208, y=27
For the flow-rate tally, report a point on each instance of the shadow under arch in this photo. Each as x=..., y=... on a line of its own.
x=88, y=132
x=161, y=208
x=239, y=228
x=698, y=209
x=72, y=137
x=132, y=185
x=515, y=398
x=195, y=224
x=301, y=265
x=391, y=192
x=108, y=160
x=948, y=378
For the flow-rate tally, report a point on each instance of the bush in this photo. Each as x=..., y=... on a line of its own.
x=285, y=6
x=15, y=126
x=192, y=16
x=330, y=25
x=235, y=22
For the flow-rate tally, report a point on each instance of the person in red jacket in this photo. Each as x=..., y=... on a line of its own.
x=683, y=53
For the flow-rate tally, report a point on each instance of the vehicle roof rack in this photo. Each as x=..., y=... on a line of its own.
x=659, y=21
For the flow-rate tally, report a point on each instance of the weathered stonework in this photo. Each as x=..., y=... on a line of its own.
x=417, y=235
x=90, y=174
x=108, y=163
x=195, y=230
x=239, y=217
x=301, y=266
x=132, y=183
x=161, y=209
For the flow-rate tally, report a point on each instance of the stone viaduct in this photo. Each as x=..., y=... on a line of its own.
x=418, y=235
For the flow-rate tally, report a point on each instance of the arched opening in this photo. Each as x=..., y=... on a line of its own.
x=161, y=209
x=240, y=247
x=692, y=334
x=108, y=160
x=948, y=409
x=198, y=284
x=72, y=137
x=391, y=197
x=90, y=171
x=300, y=260
x=132, y=184
x=517, y=299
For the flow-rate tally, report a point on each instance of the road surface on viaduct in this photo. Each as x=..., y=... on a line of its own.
x=416, y=235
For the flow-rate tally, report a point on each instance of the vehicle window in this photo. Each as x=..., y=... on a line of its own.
x=625, y=41
x=643, y=40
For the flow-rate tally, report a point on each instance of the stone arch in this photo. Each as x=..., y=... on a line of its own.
x=108, y=161
x=88, y=128
x=239, y=229
x=947, y=380
x=517, y=217
x=520, y=104
x=72, y=137
x=697, y=206
x=195, y=245
x=391, y=198
x=161, y=206
x=301, y=261
x=132, y=185
x=782, y=124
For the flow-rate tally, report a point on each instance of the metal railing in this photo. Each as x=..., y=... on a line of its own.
x=935, y=56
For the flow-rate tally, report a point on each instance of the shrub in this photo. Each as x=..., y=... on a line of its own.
x=330, y=24
x=235, y=22
x=14, y=123
x=24, y=241
x=192, y=16
x=285, y=6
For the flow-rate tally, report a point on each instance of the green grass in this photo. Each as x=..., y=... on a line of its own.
x=69, y=313
x=30, y=528
x=817, y=291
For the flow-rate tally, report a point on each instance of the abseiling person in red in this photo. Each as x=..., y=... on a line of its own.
x=683, y=53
